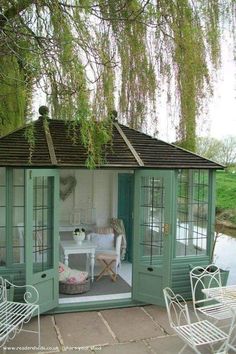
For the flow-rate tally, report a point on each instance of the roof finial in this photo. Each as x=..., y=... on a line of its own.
x=43, y=111
x=114, y=115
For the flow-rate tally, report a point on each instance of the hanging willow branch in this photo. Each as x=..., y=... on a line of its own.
x=89, y=57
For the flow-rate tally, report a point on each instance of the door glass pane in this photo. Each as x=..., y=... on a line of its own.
x=2, y=195
x=2, y=246
x=18, y=236
x=152, y=217
x=192, y=212
x=42, y=223
x=18, y=195
x=18, y=213
x=2, y=176
x=18, y=216
x=2, y=216
x=18, y=243
x=18, y=177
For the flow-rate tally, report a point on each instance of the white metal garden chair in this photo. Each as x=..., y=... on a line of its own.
x=204, y=278
x=193, y=334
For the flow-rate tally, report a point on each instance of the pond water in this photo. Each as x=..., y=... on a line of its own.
x=225, y=253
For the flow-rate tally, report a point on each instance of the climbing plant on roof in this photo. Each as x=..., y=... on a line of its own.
x=90, y=57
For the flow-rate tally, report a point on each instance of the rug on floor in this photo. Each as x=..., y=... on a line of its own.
x=105, y=286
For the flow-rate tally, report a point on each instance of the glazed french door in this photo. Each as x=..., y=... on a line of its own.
x=41, y=235
x=152, y=234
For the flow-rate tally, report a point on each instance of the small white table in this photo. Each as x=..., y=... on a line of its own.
x=87, y=247
x=225, y=295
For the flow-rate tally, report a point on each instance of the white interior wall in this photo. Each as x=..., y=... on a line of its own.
x=93, y=200
x=67, y=205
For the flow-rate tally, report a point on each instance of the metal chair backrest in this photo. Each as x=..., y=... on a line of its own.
x=177, y=309
x=204, y=278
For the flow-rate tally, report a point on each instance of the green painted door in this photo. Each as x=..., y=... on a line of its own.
x=125, y=207
x=152, y=235
x=41, y=235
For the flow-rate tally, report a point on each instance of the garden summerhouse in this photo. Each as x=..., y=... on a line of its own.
x=165, y=196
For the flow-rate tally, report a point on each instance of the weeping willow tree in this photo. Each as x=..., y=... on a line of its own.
x=90, y=57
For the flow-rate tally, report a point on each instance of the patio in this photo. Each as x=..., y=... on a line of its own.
x=146, y=331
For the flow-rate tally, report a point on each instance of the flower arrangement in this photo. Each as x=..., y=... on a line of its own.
x=79, y=235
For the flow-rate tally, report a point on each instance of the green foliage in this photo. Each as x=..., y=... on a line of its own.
x=226, y=196
x=30, y=136
x=225, y=191
x=208, y=147
x=13, y=95
x=231, y=168
x=138, y=78
x=211, y=11
x=188, y=53
x=88, y=56
x=95, y=135
x=222, y=151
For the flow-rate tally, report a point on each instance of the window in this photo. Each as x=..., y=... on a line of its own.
x=12, y=215
x=12, y=201
x=192, y=212
x=152, y=216
x=18, y=205
x=42, y=223
x=2, y=216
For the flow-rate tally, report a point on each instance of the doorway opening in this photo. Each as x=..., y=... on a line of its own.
x=90, y=201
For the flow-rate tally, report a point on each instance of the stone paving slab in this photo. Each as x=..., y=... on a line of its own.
x=49, y=340
x=126, y=348
x=131, y=324
x=168, y=345
x=159, y=315
x=173, y=344
x=83, y=329
x=119, y=331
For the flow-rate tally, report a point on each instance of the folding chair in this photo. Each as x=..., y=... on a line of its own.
x=193, y=334
x=109, y=259
x=205, y=278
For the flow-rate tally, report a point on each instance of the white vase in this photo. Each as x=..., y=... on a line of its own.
x=79, y=237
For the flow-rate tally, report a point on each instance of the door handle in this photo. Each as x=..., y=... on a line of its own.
x=166, y=229
x=150, y=269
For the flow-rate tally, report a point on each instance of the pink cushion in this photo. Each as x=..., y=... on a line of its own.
x=76, y=276
x=64, y=271
x=71, y=276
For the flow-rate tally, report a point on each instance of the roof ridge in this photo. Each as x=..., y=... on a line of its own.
x=175, y=146
x=50, y=144
x=128, y=143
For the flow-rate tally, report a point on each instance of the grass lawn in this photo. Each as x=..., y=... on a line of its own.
x=225, y=190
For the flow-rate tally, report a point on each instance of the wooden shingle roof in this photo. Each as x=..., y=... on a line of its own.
x=129, y=149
